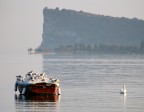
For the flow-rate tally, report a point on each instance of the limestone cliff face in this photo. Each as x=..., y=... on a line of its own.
x=68, y=27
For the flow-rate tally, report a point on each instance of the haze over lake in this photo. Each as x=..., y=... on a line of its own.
x=88, y=82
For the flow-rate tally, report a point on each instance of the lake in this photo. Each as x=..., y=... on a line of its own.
x=89, y=83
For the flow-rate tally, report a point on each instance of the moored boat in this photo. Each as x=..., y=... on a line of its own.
x=34, y=83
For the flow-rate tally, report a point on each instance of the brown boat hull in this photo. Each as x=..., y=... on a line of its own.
x=37, y=98
x=40, y=88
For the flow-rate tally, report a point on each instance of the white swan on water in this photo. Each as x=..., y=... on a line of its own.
x=123, y=90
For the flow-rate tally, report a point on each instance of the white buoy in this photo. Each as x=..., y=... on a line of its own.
x=123, y=90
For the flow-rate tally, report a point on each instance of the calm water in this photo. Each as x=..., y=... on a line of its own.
x=89, y=83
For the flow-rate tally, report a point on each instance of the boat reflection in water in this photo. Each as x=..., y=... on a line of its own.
x=38, y=103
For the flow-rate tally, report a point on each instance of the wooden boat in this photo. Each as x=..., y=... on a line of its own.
x=34, y=83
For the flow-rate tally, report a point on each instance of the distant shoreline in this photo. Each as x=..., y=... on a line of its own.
x=92, y=53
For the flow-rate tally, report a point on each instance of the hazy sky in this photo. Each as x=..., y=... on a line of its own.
x=21, y=21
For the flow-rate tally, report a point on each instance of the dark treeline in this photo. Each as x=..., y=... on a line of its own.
x=82, y=48
x=95, y=48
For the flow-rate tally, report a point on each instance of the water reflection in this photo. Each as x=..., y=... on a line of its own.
x=37, y=103
x=124, y=98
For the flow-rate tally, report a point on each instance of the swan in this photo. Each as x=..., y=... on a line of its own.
x=123, y=90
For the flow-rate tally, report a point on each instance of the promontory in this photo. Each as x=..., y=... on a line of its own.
x=69, y=30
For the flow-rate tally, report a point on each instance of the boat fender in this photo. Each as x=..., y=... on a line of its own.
x=59, y=91
x=24, y=90
x=16, y=86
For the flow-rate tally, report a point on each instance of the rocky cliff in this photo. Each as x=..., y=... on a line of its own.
x=69, y=27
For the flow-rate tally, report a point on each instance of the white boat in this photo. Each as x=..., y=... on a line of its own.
x=33, y=83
